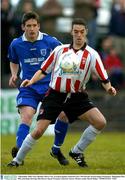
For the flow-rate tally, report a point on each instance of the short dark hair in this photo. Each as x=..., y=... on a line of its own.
x=79, y=21
x=30, y=15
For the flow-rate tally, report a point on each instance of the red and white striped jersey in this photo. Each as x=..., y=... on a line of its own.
x=71, y=70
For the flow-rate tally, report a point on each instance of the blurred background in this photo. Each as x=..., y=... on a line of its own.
x=106, y=24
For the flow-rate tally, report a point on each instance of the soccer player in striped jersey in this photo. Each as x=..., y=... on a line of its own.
x=71, y=66
x=28, y=52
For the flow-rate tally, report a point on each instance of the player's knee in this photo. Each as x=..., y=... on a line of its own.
x=62, y=116
x=37, y=133
x=101, y=123
x=26, y=119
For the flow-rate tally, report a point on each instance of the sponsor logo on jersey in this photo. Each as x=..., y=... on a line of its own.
x=34, y=61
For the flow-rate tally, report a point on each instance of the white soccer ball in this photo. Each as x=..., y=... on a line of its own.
x=67, y=65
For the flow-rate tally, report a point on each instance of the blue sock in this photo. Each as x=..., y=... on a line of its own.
x=60, y=133
x=22, y=132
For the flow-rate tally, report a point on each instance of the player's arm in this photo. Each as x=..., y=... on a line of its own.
x=103, y=76
x=37, y=76
x=14, y=68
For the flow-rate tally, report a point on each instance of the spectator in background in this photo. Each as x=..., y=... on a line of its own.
x=114, y=67
x=112, y=62
x=92, y=23
x=7, y=33
x=106, y=44
x=23, y=6
x=117, y=28
x=87, y=9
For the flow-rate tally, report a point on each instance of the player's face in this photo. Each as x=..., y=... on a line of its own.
x=79, y=33
x=31, y=29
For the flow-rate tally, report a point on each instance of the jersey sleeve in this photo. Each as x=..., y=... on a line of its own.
x=55, y=43
x=12, y=56
x=98, y=67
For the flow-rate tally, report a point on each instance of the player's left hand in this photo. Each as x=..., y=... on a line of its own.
x=112, y=91
x=25, y=83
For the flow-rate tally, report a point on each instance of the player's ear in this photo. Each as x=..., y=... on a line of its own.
x=71, y=32
x=23, y=27
x=39, y=25
x=86, y=31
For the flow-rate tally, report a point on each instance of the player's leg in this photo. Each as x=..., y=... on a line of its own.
x=47, y=114
x=97, y=123
x=26, y=115
x=60, y=129
x=27, y=103
x=29, y=142
x=80, y=106
x=55, y=104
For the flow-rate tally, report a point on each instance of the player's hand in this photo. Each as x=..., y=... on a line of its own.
x=112, y=91
x=12, y=81
x=25, y=83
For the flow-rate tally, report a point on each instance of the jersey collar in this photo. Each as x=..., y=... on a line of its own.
x=40, y=37
x=82, y=48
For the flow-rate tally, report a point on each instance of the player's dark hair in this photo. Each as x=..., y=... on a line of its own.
x=79, y=21
x=30, y=15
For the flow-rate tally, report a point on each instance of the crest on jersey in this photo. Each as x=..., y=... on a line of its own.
x=43, y=52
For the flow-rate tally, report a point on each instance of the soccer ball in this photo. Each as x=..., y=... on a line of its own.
x=68, y=63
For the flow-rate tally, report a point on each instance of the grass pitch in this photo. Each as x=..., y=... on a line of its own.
x=105, y=156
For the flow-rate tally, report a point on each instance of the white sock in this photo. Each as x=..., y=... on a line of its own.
x=87, y=138
x=25, y=148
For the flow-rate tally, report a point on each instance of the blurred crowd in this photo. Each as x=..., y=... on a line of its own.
x=111, y=45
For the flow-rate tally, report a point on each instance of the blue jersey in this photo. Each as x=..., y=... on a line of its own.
x=30, y=56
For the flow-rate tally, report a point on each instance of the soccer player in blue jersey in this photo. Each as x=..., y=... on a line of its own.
x=27, y=53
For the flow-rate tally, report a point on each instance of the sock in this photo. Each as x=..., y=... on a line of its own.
x=60, y=133
x=22, y=132
x=27, y=144
x=87, y=138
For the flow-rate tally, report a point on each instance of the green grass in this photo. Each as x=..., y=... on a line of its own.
x=105, y=156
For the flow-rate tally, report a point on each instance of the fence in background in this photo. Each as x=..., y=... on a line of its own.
x=112, y=107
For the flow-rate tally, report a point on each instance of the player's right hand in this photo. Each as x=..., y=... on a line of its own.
x=25, y=83
x=12, y=81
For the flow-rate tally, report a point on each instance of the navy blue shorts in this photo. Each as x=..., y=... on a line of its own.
x=55, y=102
